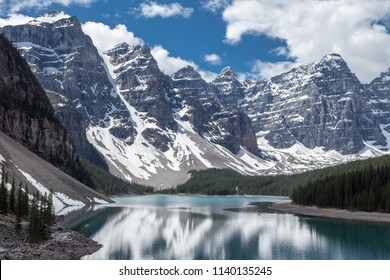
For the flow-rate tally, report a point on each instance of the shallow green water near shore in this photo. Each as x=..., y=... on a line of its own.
x=192, y=227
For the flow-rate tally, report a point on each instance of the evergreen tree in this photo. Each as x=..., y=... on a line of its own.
x=18, y=209
x=363, y=187
x=25, y=203
x=34, y=227
x=49, y=218
x=12, y=196
x=3, y=192
x=38, y=229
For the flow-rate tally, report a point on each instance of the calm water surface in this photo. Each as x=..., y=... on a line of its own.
x=191, y=227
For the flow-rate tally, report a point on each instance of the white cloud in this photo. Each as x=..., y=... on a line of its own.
x=314, y=28
x=1, y=7
x=208, y=76
x=153, y=9
x=16, y=6
x=215, y=5
x=213, y=59
x=104, y=37
x=169, y=64
x=266, y=70
x=15, y=19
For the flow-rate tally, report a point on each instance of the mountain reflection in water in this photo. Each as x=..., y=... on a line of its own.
x=199, y=232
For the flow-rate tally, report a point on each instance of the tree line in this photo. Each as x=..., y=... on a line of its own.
x=229, y=182
x=366, y=189
x=104, y=182
x=38, y=212
x=361, y=185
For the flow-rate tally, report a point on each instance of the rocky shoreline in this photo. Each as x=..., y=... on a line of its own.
x=63, y=244
x=330, y=212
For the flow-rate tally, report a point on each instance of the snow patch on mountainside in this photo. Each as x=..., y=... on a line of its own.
x=138, y=158
x=299, y=158
x=141, y=162
x=387, y=136
x=60, y=200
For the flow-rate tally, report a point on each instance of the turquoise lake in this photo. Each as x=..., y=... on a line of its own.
x=204, y=227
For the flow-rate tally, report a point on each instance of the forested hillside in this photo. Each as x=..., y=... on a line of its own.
x=104, y=182
x=229, y=182
x=362, y=185
x=366, y=188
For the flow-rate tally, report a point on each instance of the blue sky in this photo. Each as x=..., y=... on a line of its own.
x=257, y=38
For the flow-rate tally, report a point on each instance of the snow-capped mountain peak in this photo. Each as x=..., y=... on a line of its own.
x=186, y=73
x=50, y=17
x=228, y=72
x=330, y=62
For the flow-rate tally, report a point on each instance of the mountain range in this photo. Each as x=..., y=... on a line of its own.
x=130, y=118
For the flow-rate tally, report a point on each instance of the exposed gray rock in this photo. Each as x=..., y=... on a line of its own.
x=142, y=83
x=319, y=105
x=229, y=89
x=68, y=65
x=26, y=114
x=379, y=99
x=157, y=138
x=224, y=126
x=148, y=90
x=234, y=130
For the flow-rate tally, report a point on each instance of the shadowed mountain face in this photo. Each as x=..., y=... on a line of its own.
x=32, y=137
x=152, y=128
x=26, y=114
x=73, y=75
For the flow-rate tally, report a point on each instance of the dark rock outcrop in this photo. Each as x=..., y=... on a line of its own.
x=26, y=114
x=68, y=65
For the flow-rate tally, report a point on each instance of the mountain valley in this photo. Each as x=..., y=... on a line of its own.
x=144, y=126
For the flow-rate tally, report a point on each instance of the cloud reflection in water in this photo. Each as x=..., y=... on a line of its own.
x=160, y=233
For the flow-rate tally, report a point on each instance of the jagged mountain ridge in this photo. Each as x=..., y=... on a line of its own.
x=379, y=99
x=73, y=75
x=26, y=114
x=158, y=127
x=176, y=129
x=322, y=104
x=35, y=148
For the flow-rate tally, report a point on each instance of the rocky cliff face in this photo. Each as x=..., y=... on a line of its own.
x=145, y=88
x=157, y=97
x=73, y=74
x=228, y=88
x=222, y=125
x=378, y=92
x=322, y=104
x=26, y=114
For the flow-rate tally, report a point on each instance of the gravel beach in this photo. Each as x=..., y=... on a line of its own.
x=63, y=244
x=330, y=212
